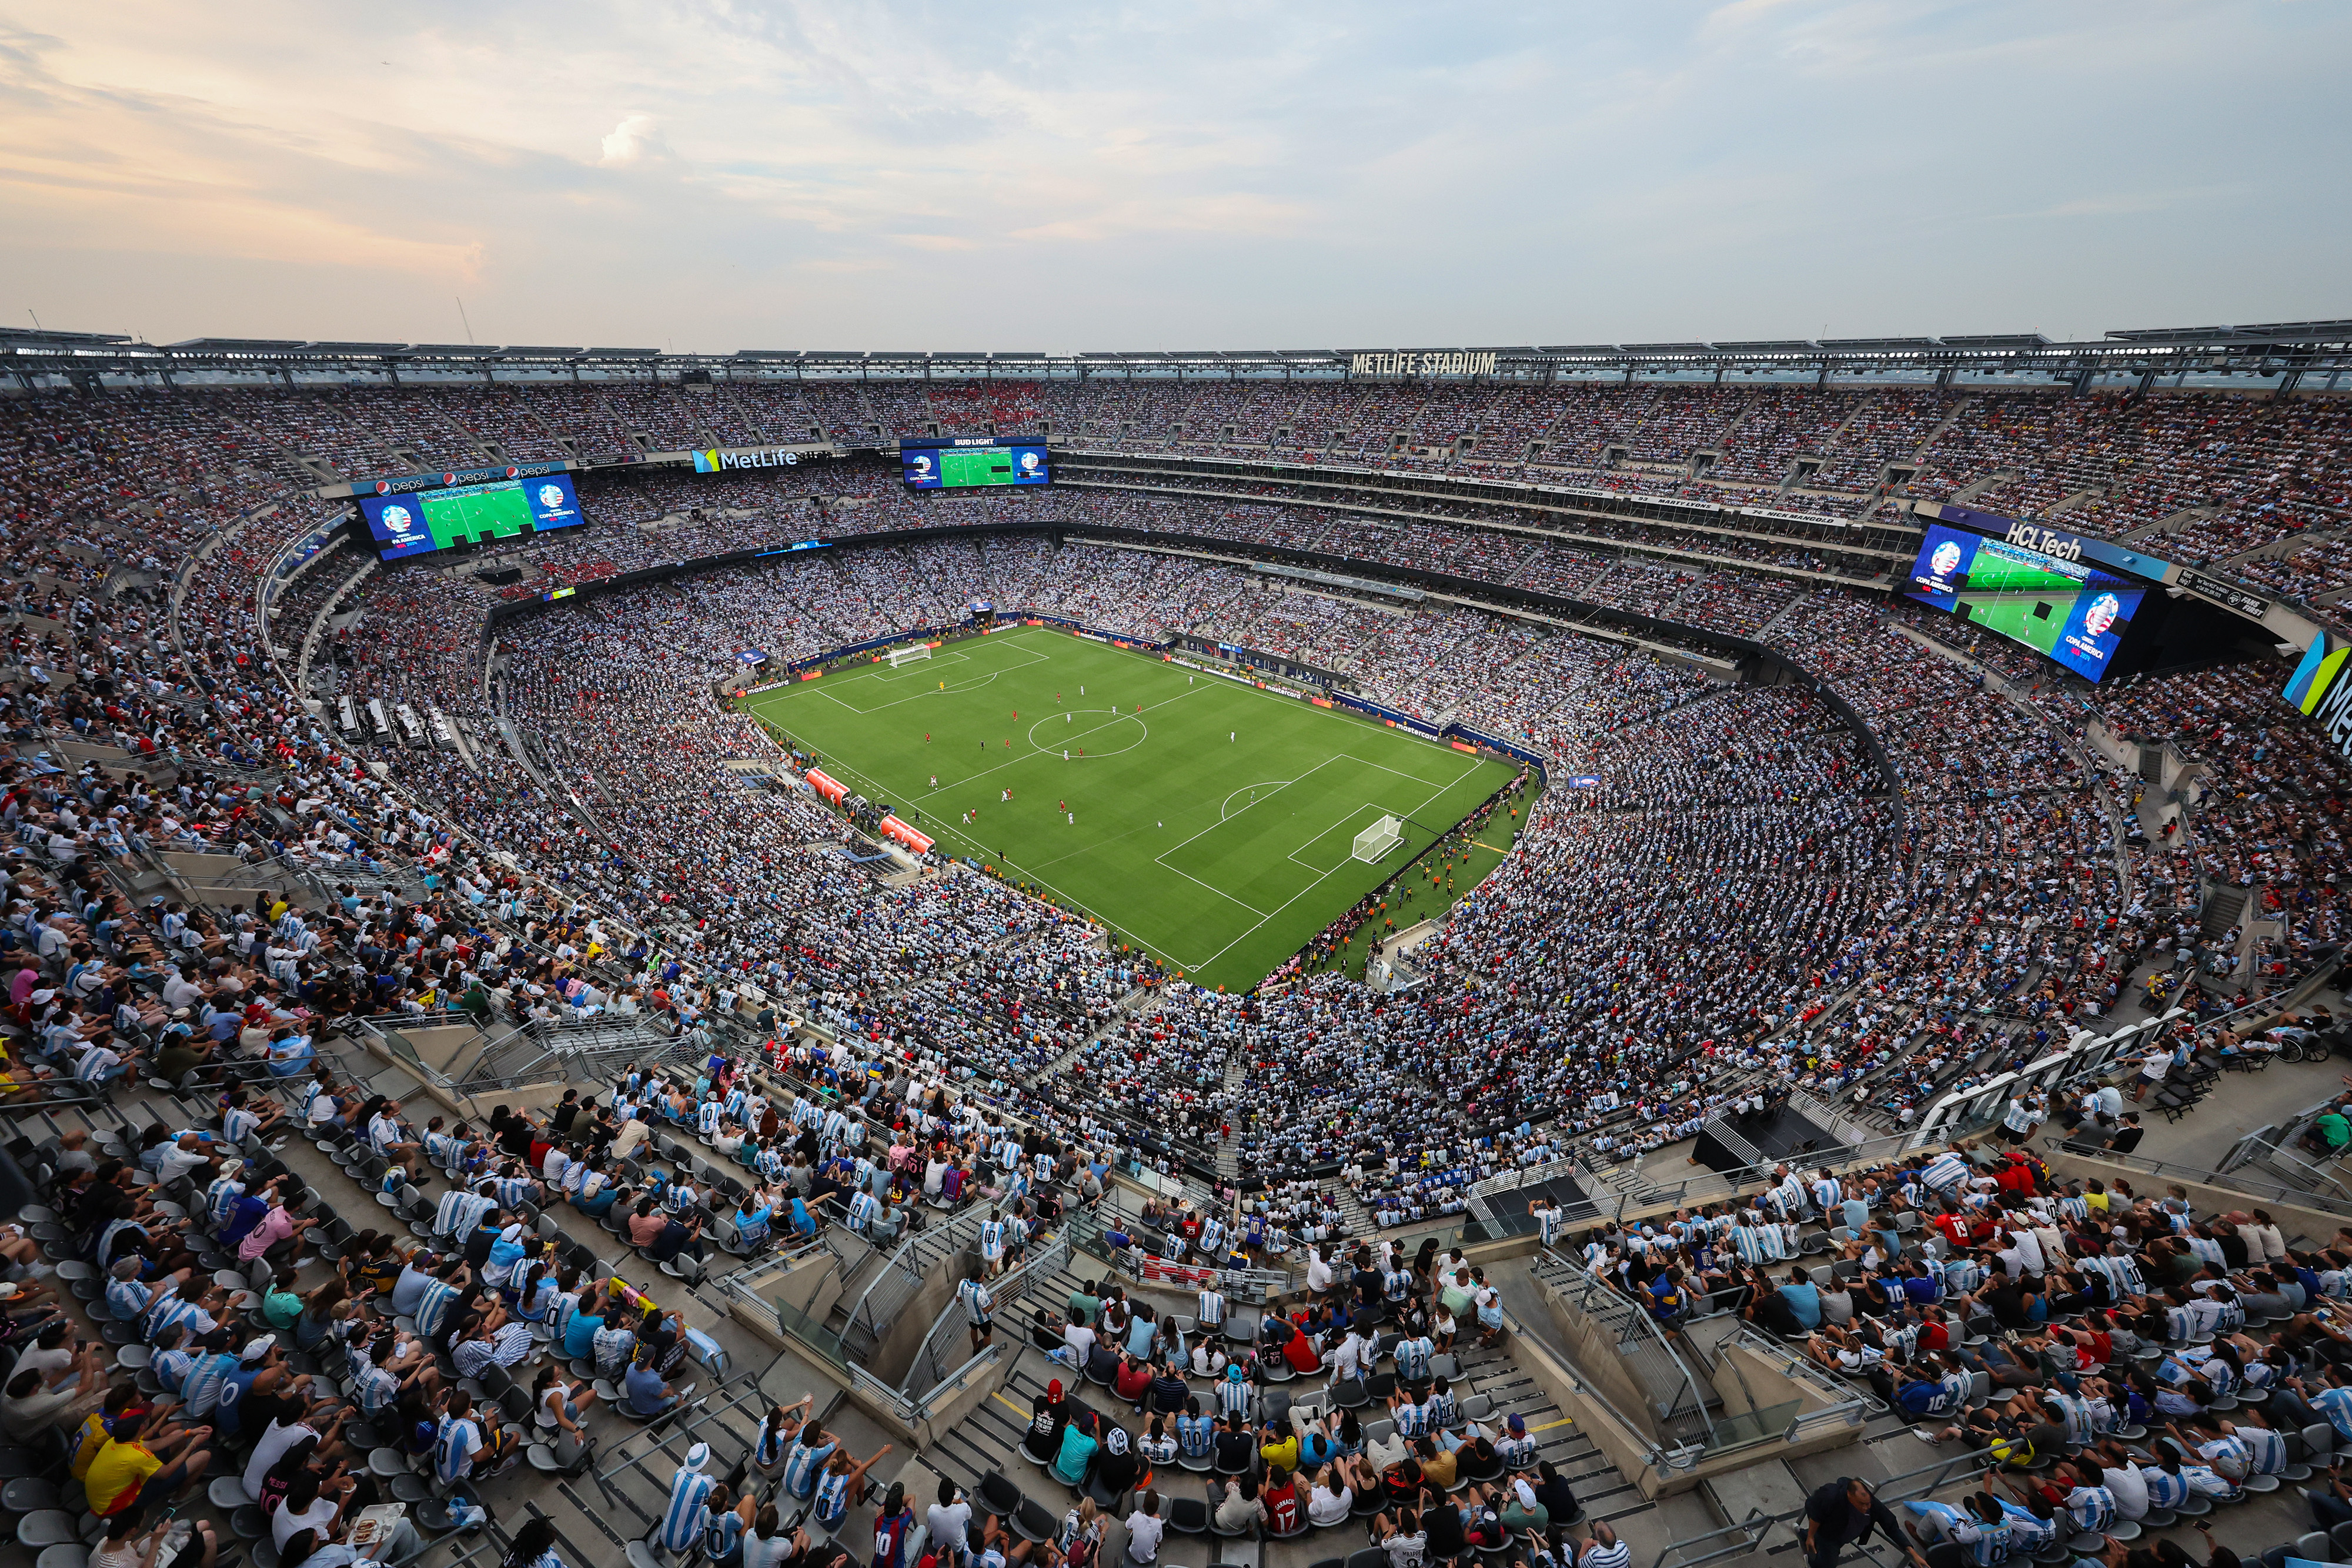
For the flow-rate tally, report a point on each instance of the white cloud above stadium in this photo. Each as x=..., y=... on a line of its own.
x=715, y=176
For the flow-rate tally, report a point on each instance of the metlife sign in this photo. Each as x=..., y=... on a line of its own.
x=724, y=460
x=1421, y=363
x=2318, y=687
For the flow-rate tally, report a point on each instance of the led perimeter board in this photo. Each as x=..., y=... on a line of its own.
x=2073, y=612
x=957, y=465
x=422, y=521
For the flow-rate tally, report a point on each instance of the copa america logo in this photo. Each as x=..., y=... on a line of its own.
x=550, y=495
x=395, y=517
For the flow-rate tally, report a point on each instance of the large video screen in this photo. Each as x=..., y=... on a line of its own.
x=2076, y=614
x=423, y=521
x=958, y=467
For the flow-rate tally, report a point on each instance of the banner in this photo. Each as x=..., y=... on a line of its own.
x=2252, y=605
x=2057, y=543
x=906, y=835
x=450, y=478
x=826, y=787
x=723, y=460
x=1160, y=1271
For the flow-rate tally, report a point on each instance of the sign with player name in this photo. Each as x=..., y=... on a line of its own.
x=1423, y=362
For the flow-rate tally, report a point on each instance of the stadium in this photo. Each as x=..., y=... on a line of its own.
x=1608, y=955
x=1719, y=752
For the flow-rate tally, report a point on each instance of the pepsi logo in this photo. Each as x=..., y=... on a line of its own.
x=448, y=478
x=384, y=486
x=511, y=473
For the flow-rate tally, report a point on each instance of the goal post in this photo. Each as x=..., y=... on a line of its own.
x=1376, y=841
x=899, y=656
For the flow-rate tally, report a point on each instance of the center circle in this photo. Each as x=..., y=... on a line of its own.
x=1104, y=732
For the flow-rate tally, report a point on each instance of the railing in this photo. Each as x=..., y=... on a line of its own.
x=745, y=1281
x=2234, y=1175
x=1678, y=1396
x=1523, y=1176
x=1716, y=1187
x=396, y=1047
x=813, y=1336
x=930, y=1370
x=1797, y=1368
x=1091, y=1236
x=1750, y=1533
x=901, y=1275
x=1969, y=1109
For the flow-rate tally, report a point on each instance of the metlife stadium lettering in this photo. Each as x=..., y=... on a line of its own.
x=2048, y=541
x=2335, y=715
x=717, y=461
x=1417, y=364
x=2321, y=688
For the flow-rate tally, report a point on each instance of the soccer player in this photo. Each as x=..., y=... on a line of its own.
x=927, y=738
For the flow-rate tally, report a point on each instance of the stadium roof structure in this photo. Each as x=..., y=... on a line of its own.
x=2291, y=350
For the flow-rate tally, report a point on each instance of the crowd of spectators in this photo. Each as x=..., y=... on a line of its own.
x=1881, y=913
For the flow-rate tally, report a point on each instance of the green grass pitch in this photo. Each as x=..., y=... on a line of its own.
x=1214, y=821
x=464, y=516
x=2000, y=573
x=2013, y=615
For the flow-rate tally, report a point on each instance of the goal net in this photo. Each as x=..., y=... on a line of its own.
x=1378, y=839
x=909, y=655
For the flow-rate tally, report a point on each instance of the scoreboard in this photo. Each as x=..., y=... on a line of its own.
x=970, y=463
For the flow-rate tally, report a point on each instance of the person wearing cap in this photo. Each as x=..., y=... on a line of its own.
x=645, y=1389
x=1523, y=1512
x=1516, y=1450
x=688, y=1511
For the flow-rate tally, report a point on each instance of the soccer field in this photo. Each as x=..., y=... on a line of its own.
x=1209, y=822
x=475, y=514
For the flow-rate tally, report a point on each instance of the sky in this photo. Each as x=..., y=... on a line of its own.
x=728, y=173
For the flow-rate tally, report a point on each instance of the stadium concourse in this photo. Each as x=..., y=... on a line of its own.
x=1886, y=867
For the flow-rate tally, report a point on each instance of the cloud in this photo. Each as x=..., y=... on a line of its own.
x=636, y=141
x=723, y=172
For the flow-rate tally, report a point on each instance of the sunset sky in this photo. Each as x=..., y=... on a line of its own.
x=714, y=176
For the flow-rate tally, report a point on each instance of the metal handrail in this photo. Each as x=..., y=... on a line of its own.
x=1013, y=1287
x=1899, y=1488
x=1793, y=1365
x=1611, y=1308
x=2234, y=1179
